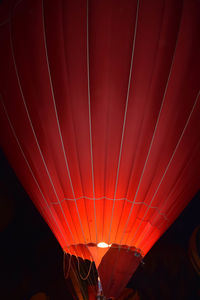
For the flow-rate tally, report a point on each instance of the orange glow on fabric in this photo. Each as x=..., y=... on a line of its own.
x=100, y=119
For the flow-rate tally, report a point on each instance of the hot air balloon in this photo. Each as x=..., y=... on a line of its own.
x=100, y=120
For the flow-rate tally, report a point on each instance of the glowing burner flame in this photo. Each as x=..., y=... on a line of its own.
x=103, y=245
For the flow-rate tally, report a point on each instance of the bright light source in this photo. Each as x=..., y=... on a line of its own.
x=103, y=245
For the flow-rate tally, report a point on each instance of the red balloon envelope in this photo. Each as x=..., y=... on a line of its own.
x=100, y=119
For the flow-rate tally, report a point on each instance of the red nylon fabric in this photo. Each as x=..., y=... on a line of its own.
x=115, y=277
x=100, y=114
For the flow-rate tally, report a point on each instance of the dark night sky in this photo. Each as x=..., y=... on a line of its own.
x=31, y=258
